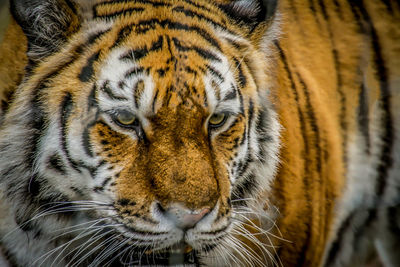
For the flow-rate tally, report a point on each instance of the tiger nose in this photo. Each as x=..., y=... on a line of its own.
x=182, y=217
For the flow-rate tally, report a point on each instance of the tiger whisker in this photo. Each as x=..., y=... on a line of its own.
x=77, y=251
x=105, y=253
x=45, y=256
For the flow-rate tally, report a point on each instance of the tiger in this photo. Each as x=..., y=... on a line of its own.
x=200, y=133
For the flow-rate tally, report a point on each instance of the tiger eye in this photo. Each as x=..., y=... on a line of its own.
x=217, y=120
x=125, y=118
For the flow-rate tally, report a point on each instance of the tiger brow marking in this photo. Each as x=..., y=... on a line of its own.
x=215, y=73
x=231, y=94
x=198, y=5
x=193, y=14
x=242, y=77
x=200, y=51
x=144, y=26
x=87, y=71
x=133, y=72
x=123, y=12
x=138, y=91
x=106, y=89
x=138, y=53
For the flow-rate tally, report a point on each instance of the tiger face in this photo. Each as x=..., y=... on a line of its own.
x=155, y=117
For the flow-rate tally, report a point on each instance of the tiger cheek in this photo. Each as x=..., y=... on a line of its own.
x=109, y=144
x=225, y=150
x=225, y=145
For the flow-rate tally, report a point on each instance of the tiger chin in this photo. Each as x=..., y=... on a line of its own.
x=186, y=132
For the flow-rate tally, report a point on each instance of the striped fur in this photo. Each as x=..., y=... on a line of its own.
x=303, y=170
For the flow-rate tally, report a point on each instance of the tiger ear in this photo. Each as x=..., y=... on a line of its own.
x=46, y=24
x=250, y=12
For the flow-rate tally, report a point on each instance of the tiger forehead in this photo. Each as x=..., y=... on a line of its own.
x=168, y=70
x=169, y=59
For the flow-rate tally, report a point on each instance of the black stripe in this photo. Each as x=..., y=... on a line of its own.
x=216, y=73
x=314, y=127
x=122, y=35
x=92, y=39
x=263, y=133
x=200, y=51
x=386, y=160
x=136, y=93
x=193, y=14
x=144, y=26
x=134, y=72
x=301, y=260
x=231, y=94
x=106, y=89
x=87, y=146
x=203, y=33
x=337, y=9
x=121, y=12
x=337, y=243
x=154, y=101
x=323, y=8
x=241, y=101
x=37, y=114
x=339, y=81
x=55, y=162
x=342, y=95
x=190, y=70
x=388, y=5
x=38, y=124
x=71, y=6
x=243, y=190
x=363, y=116
x=87, y=71
x=92, y=100
x=250, y=116
x=157, y=45
x=203, y=7
x=387, y=126
x=113, y=15
x=241, y=77
x=147, y=2
x=66, y=110
x=313, y=124
x=312, y=7
x=135, y=54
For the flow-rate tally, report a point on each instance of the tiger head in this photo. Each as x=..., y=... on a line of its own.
x=151, y=118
